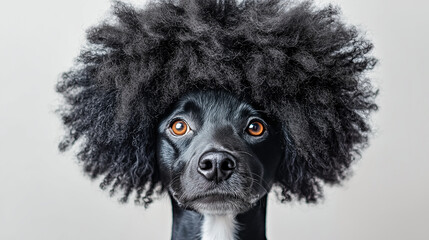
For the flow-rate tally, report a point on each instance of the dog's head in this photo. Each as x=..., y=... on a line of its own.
x=216, y=101
x=217, y=153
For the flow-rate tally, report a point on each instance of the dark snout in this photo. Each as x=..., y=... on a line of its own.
x=216, y=166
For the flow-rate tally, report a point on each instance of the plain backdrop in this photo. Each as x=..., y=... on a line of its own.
x=44, y=194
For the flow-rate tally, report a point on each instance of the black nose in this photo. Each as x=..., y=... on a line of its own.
x=216, y=166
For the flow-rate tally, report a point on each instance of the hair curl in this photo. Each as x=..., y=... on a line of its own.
x=301, y=64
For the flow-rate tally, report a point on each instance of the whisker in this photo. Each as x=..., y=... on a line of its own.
x=259, y=177
x=247, y=153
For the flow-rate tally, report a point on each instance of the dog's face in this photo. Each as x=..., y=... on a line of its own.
x=217, y=154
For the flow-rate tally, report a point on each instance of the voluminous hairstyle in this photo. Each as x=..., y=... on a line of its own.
x=299, y=63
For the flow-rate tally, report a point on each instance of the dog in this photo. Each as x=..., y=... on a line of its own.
x=218, y=102
x=218, y=157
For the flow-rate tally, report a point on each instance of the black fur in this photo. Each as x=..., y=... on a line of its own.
x=301, y=64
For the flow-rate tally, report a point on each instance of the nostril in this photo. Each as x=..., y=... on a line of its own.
x=227, y=164
x=207, y=167
x=205, y=164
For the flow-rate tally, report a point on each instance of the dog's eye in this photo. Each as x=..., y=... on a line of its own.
x=179, y=128
x=255, y=128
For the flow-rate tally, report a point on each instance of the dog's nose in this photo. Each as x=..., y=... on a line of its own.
x=216, y=166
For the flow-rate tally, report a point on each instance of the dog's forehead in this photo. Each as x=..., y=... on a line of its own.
x=216, y=105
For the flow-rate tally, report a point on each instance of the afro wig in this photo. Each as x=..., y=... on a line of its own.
x=300, y=64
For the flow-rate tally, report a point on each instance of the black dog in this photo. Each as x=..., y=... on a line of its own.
x=216, y=102
x=218, y=156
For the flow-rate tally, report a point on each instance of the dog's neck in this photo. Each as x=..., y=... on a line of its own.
x=190, y=225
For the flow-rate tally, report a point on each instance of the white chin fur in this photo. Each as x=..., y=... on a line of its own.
x=218, y=227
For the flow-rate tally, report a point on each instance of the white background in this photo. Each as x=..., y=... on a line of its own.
x=44, y=195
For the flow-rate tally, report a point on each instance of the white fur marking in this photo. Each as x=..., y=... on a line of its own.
x=218, y=227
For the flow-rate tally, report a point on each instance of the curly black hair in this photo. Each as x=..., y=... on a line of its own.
x=299, y=63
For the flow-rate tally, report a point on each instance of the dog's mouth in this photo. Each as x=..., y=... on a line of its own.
x=215, y=197
x=218, y=200
x=217, y=203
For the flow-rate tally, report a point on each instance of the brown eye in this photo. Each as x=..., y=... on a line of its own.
x=255, y=128
x=179, y=127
